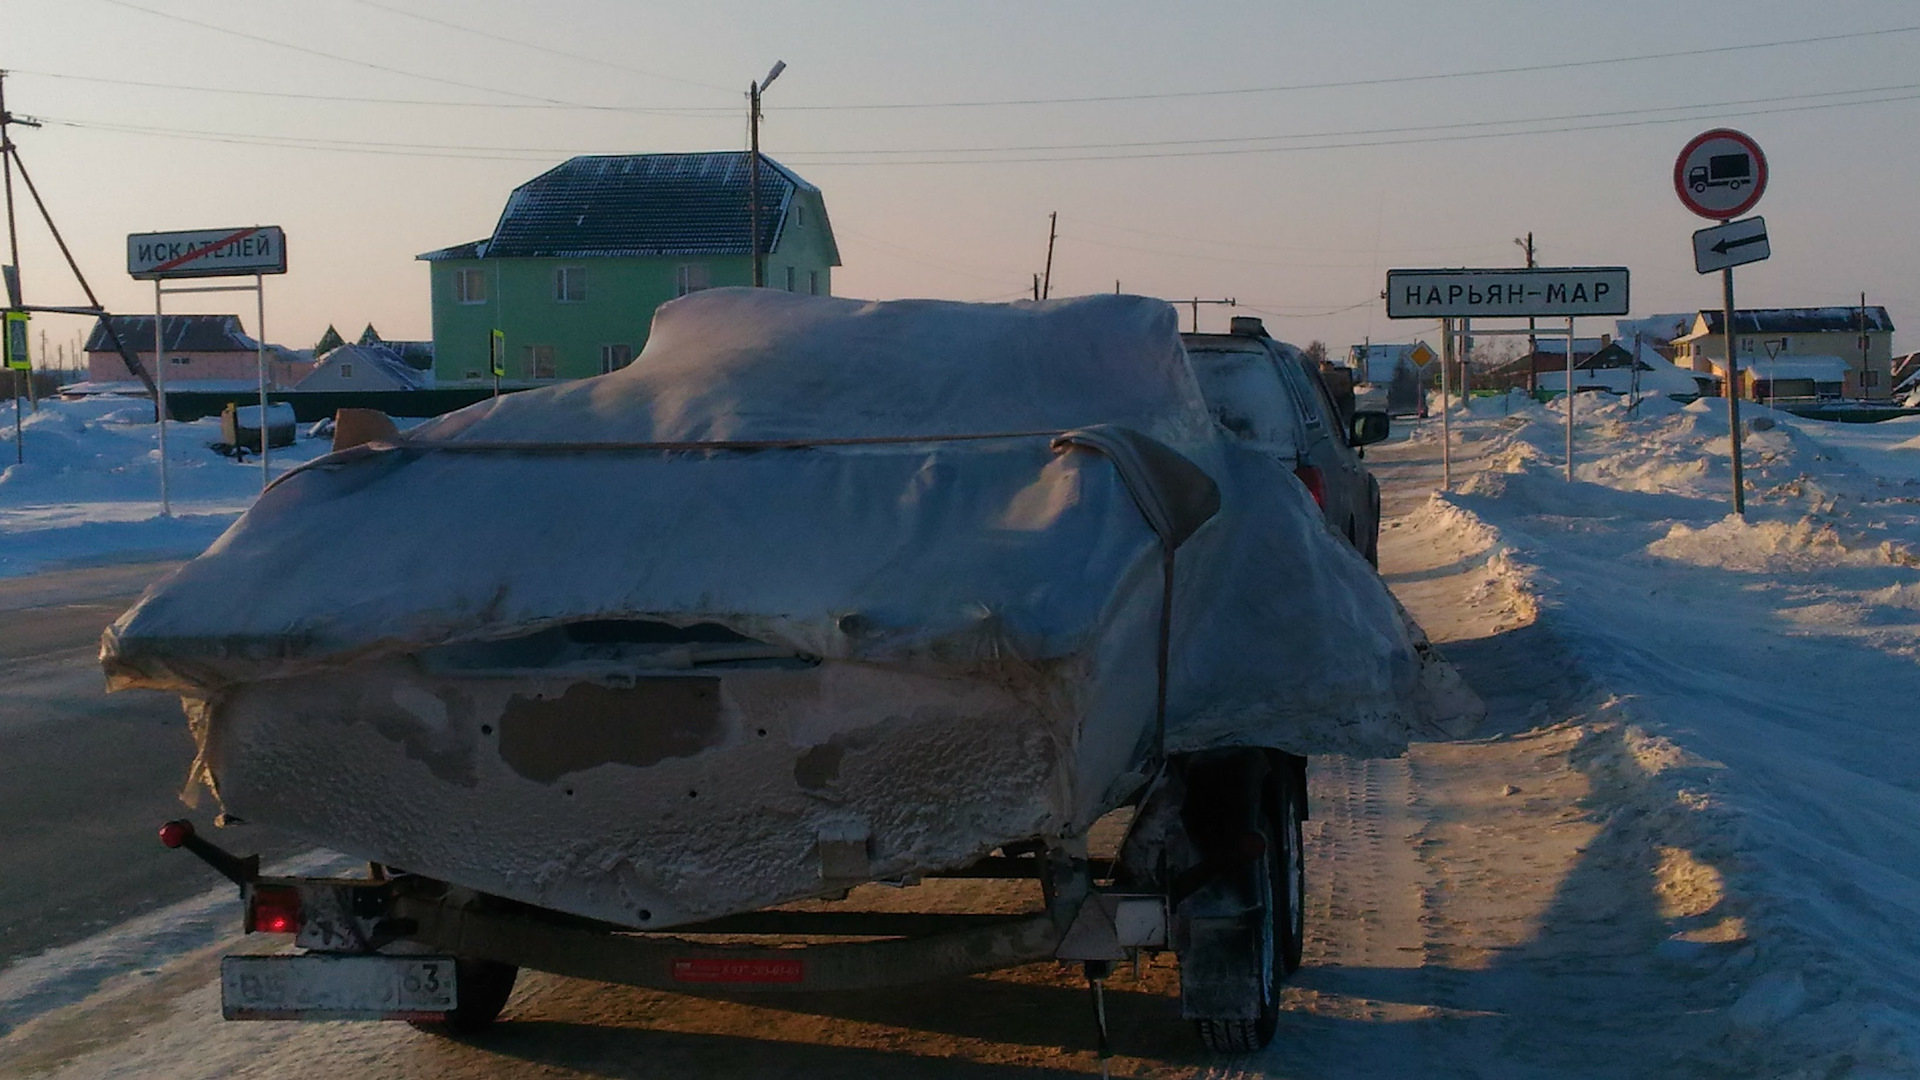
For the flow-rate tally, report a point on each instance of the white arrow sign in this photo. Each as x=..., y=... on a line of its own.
x=1734, y=244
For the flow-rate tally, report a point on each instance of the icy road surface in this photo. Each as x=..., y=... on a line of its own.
x=1685, y=844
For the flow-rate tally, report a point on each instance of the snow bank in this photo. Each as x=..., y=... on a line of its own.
x=89, y=489
x=1756, y=681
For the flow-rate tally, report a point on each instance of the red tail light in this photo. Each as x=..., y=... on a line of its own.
x=1316, y=484
x=273, y=909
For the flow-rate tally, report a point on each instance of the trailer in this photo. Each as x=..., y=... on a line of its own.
x=1211, y=868
x=643, y=678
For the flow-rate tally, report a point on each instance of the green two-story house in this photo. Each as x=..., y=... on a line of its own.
x=585, y=251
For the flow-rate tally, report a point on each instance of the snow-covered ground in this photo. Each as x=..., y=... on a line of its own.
x=1689, y=843
x=1766, y=671
x=89, y=489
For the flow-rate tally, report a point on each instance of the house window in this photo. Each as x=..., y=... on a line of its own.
x=179, y=359
x=615, y=357
x=570, y=284
x=790, y=273
x=799, y=216
x=692, y=278
x=472, y=374
x=1869, y=379
x=470, y=286
x=538, y=360
x=813, y=282
x=346, y=371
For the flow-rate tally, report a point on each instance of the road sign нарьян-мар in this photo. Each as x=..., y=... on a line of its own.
x=1507, y=294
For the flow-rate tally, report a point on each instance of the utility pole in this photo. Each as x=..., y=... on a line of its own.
x=1864, y=341
x=1196, y=302
x=1053, y=232
x=9, y=162
x=753, y=171
x=1533, y=345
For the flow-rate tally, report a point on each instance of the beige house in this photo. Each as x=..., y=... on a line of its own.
x=1856, y=343
x=203, y=349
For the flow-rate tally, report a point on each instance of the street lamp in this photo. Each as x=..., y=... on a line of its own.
x=753, y=167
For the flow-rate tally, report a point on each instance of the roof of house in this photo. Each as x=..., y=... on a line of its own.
x=1797, y=366
x=1811, y=320
x=180, y=333
x=641, y=204
x=377, y=357
x=1659, y=329
x=417, y=354
x=1547, y=345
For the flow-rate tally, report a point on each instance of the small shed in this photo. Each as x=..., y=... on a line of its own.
x=364, y=367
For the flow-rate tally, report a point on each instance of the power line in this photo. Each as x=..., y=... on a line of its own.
x=549, y=103
x=1463, y=125
x=352, y=99
x=1384, y=80
x=1265, y=247
x=801, y=158
x=355, y=61
x=628, y=69
x=1468, y=137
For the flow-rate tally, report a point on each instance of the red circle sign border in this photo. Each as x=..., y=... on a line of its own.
x=1680, y=168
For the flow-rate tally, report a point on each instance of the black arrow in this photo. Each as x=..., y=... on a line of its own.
x=1725, y=246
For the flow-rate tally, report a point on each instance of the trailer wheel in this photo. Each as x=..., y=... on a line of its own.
x=1241, y=1035
x=485, y=986
x=1290, y=882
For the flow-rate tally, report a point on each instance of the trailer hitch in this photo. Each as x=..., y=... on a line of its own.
x=240, y=871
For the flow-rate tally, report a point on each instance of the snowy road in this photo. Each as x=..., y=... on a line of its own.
x=1512, y=905
x=84, y=777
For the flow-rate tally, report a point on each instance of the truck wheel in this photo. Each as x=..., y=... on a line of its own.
x=485, y=986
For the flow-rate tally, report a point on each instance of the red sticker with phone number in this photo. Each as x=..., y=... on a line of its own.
x=720, y=970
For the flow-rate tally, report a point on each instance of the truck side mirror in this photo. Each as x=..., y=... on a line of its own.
x=1369, y=426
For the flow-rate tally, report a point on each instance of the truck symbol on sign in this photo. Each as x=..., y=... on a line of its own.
x=1730, y=171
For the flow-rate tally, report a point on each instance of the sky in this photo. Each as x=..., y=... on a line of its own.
x=1282, y=154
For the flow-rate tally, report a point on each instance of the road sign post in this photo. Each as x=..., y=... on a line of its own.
x=255, y=250
x=19, y=367
x=1721, y=174
x=1447, y=295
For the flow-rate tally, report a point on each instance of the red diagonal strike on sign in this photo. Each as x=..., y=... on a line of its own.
x=203, y=249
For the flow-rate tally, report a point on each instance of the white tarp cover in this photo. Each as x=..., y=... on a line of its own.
x=984, y=612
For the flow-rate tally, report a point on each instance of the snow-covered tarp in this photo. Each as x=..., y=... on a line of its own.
x=816, y=588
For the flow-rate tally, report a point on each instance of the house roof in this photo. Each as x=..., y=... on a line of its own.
x=641, y=204
x=1659, y=329
x=1819, y=368
x=179, y=333
x=378, y=358
x=1811, y=320
x=417, y=354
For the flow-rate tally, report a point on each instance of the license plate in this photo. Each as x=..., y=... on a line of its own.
x=323, y=987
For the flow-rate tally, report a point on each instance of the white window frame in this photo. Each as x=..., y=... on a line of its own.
x=692, y=278
x=530, y=362
x=570, y=284
x=463, y=289
x=607, y=356
x=346, y=371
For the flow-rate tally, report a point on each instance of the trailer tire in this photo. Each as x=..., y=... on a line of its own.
x=1288, y=800
x=485, y=986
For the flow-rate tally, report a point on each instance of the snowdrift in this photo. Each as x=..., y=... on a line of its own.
x=816, y=591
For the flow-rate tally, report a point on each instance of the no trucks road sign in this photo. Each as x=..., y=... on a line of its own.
x=1507, y=294
x=255, y=249
x=1721, y=174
